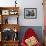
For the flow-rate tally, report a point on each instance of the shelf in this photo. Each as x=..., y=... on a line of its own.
x=9, y=10
x=10, y=26
x=6, y=12
x=11, y=41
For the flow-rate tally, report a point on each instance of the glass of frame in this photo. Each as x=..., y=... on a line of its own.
x=30, y=13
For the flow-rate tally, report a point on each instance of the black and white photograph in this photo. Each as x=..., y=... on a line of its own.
x=30, y=13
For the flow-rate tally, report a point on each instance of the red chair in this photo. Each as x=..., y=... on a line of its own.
x=29, y=33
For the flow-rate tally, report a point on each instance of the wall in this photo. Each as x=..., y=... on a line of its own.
x=27, y=4
x=7, y=3
x=31, y=4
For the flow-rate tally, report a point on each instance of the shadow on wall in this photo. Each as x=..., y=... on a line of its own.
x=37, y=29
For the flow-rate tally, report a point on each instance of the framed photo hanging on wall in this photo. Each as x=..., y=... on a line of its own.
x=30, y=13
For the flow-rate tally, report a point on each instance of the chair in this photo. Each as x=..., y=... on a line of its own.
x=29, y=33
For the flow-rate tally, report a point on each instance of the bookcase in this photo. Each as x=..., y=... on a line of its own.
x=9, y=26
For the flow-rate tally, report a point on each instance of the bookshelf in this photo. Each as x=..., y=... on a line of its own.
x=9, y=22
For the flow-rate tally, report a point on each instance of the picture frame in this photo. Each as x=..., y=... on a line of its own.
x=30, y=13
x=5, y=12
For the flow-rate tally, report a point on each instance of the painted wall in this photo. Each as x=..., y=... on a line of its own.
x=31, y=4
x=26, y=4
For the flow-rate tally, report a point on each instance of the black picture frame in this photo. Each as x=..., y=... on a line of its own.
x=30, y=13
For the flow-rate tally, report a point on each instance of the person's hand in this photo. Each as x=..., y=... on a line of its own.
x=31, y=41
x=28, y=42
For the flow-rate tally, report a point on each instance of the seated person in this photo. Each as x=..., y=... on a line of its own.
x=30, y=38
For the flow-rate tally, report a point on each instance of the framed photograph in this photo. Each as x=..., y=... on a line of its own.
x=30, y=13
x=5, y=12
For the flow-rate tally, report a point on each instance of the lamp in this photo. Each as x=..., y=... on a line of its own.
x=15, y=35
x=15, y=30
x=15, y=3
